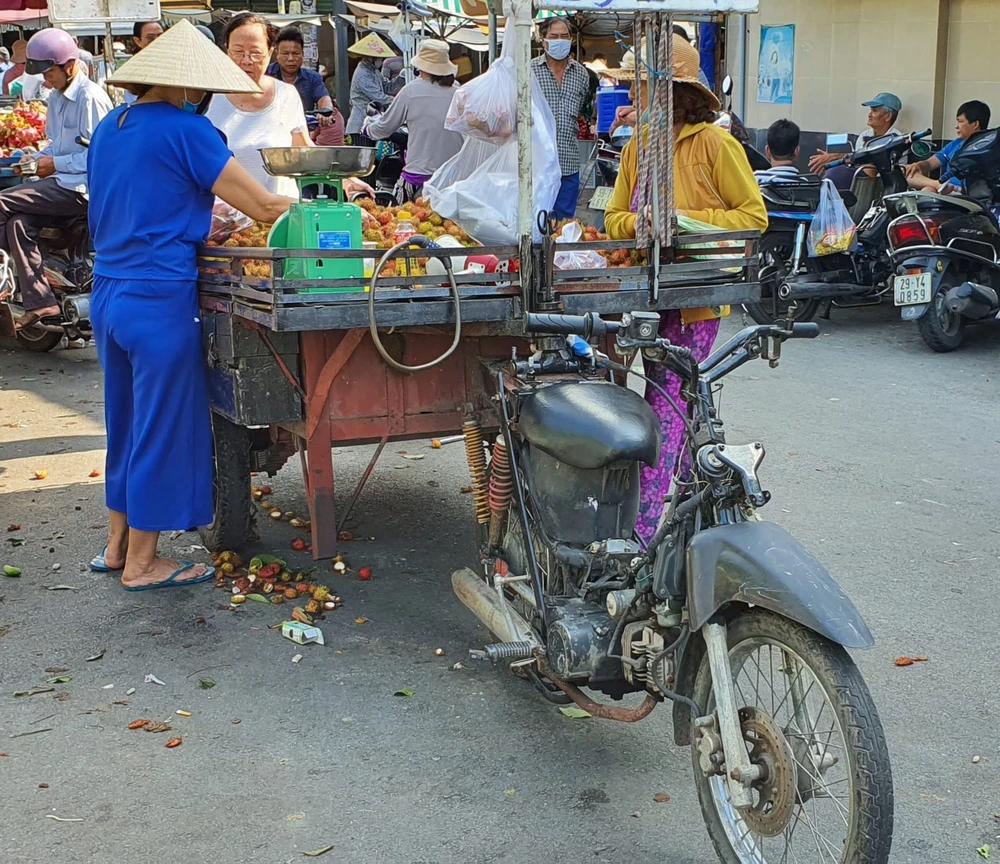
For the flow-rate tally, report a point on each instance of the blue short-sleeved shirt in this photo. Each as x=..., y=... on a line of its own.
x=946, y=154
x=151, y=168
x=309, y=84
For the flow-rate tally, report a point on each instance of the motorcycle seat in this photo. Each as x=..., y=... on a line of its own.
x=591, y=425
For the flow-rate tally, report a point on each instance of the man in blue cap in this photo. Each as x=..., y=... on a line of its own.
x=882, y=113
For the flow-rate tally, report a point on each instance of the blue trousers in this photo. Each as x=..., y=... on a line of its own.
x=569, y=191
x=159, y=465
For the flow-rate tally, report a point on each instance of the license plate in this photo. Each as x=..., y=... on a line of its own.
x=913, y=289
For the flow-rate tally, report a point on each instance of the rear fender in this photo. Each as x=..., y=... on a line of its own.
x=929, y=264
x=748, y=564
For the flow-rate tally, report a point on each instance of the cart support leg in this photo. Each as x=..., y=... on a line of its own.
x=361, y=483
x=319, y=481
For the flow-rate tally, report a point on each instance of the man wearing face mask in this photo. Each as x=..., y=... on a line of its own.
x=565, y=84
x=76, y=106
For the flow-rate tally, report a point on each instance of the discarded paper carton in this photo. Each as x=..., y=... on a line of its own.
x=303, y=634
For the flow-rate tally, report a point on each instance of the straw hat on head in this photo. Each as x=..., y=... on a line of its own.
x=686, y=65
x=182, y=57
x=19, y=51
x=432, y=58
x=371, y=46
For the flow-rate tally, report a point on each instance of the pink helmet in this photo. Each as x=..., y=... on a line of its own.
x=50, y=47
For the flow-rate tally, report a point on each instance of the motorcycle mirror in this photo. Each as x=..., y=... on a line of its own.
x=921, y=149
x=727, y=86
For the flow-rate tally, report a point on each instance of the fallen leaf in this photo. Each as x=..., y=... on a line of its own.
x=60, y=818
x=206, y=683
x=41, y=474
x=984, y=850
x=139, y=724
x=60, y=679
x=361, y=620
x=174, y=742
x=95, y=473
x=661, y=797
x=258, y=598
x=97, y=656
x=15, y=541
x=345, y=537
x=13, y=572
x=317, y=852
x=909, y=661
x=157, y=727
x=56, y=670
x=404, y=692
x=573, y=712
x=61, y=588
x=14, y=528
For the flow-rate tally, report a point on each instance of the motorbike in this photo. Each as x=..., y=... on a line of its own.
x=794, y=283
x=67, y=258
x=389, y=165
x=724, y=617
x=945, y=248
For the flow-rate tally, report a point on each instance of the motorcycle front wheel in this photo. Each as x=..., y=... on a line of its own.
x=809, y=722
x=777, y=251
x=35, y=338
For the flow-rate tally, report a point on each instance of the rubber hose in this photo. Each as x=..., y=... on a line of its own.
x=415, y=240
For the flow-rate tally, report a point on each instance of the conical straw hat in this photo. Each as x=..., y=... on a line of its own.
x=371, y=46
x=182, y=57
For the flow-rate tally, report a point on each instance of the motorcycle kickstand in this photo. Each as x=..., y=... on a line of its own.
x=825, y=314
x=740, y=772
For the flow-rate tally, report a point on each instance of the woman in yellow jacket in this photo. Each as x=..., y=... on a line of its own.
x=713, y=183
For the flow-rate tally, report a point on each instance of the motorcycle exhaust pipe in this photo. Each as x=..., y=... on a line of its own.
x=485, y=604
x=972, y=300
x=808, y=290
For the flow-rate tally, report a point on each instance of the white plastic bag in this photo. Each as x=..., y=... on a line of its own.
x=486, y=107
x=832, y=229
x=586, y=260
x=477, y=187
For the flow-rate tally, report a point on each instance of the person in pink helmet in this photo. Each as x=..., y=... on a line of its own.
x=76, y=106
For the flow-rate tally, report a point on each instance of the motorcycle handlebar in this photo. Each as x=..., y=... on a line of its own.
x=568, y=325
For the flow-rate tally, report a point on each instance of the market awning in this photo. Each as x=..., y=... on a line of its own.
x=28, y=19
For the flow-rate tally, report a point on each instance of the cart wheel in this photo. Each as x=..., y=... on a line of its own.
x=234, y=525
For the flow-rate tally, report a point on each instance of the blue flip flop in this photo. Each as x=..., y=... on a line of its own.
x=99, y=565
x=171, y=580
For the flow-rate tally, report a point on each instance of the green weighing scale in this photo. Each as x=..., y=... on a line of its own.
x=321, y=222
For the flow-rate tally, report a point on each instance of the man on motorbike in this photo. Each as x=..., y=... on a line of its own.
x=882, y=113
x=76, y=106
x=782, y=150
x=972, y=117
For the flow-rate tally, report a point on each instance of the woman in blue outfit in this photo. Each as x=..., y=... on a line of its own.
x=155, y=167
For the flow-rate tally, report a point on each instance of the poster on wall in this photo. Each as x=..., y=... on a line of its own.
x=776, y=64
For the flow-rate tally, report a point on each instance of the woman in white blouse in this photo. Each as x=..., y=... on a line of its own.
x=271, y=118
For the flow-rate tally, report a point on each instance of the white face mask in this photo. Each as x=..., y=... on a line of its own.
x=558, y=49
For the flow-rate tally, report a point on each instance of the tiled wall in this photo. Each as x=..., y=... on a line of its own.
x=973, y=67
x=846, y=51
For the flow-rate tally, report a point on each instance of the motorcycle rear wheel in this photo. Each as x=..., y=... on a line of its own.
x=35, y=338
x=942, y=330
x=833, y=800
x=777, y=249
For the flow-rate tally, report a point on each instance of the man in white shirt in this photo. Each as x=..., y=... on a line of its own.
x=882, y=113
x=5, y=63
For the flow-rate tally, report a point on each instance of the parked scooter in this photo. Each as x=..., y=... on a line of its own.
x=64, y=245
x=858, y=277
x=946, y=248
x=389, y=165
x=726, y=618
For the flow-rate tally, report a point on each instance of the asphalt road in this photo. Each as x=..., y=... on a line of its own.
x=882, y=458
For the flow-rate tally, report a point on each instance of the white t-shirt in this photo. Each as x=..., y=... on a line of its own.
x=249, y=131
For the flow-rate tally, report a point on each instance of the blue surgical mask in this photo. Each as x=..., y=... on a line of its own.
x=558, y=49
x=190, y=107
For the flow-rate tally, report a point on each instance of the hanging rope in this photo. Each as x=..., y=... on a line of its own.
x=654, y=51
